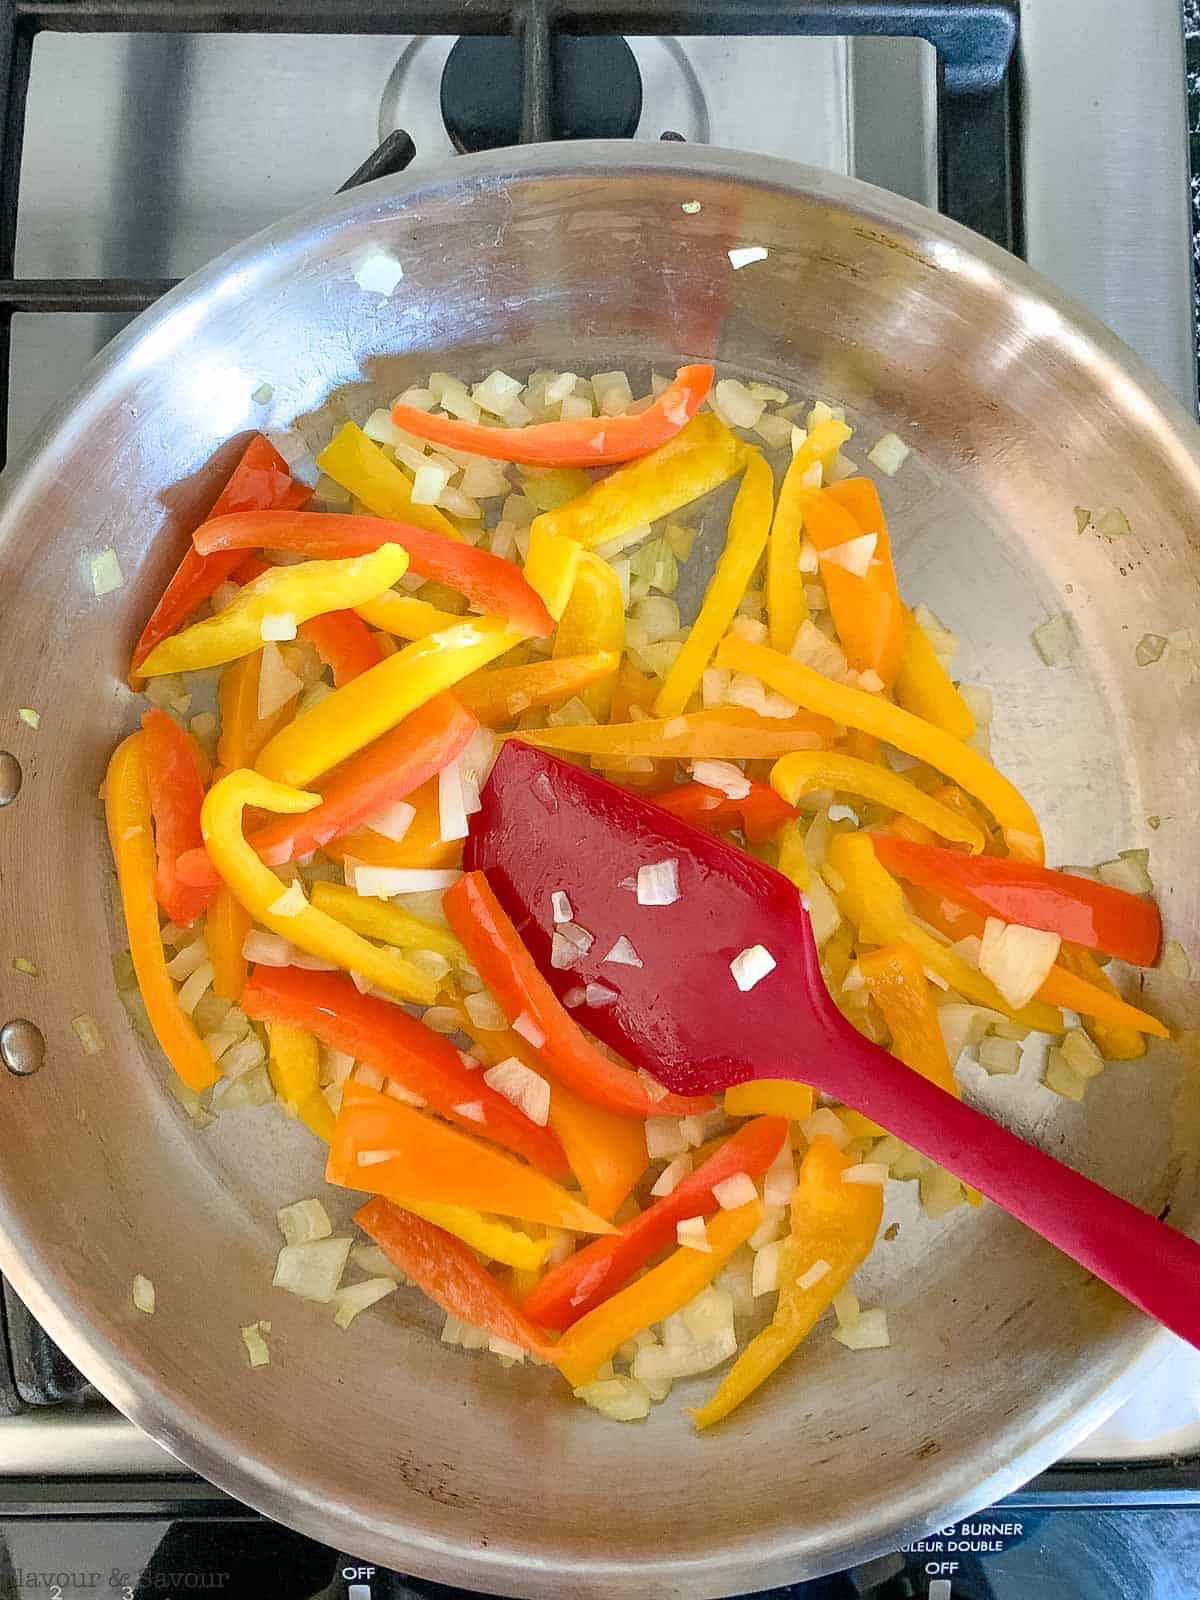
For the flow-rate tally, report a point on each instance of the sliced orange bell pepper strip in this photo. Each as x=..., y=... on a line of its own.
x=924, y=687
x=594, y=1339
x=832, y=1222
x=871, y=713
x=595, y=1273
x=375, y=701
x=421, y=846
x=503, y=693
x=360, y=466
x=260, y=891
x=259, y=482
x=867, y=612
x=225, y=927
x=449, y=1273
x=430, y=1160
x=749, y=527
x=344, y=643
x=729, y=732
x=872, y=900
x=294, y=1067
x=787, y=607
x=243, y=732
x=296, y=592
x=703, y=456
x=176, y=795
x=130, y=833
x=496, y=586
x=606, y=1152
x=386, y=1037
x=899, y=987
x=511, y=973
x=794, y=775
x=1107, y=1027
x=594, y=620
x=584, y=442
x=404, y=759
x=404, y=616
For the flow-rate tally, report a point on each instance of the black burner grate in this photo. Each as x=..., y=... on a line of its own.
x=978, y=185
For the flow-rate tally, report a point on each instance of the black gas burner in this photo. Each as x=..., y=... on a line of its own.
x=596, y=90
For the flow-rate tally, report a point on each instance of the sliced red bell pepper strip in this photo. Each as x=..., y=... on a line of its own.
x=344, y=642
x=759, y=815
x=450, y=1273
x=176, y=795
x=1091, y=914
x=495, y=585
x=587, y=442
x=386, y=1037
x=602, y=1267
x=386, y=771
x=510, y=972
x=260, y=482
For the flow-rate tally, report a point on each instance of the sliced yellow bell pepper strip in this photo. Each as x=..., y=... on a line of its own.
x=360, y=466
x=701, y=457
x=749, y=526
x=379, y=919
x=786, y=606
x=243, y=731
x=592, y=1341
x=898, y=985
x=258, y=889
x=502, y=694
x=404, y=616
x=871, y=899
x=294, y=1065
x=551, y=567
x=131, y=835
x=924, y=687
x=794, y=775
x=832, y=1222
x=793, y=859
x=770, y=1097
x=299, y=593
x=730, y=732
x=1116, y=1041
x=858, y=709
x=225, y=928
x=594, y=620
x=492, y=1237
x=379, y=698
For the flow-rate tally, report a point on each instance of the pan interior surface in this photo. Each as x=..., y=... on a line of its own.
x=1018, y=409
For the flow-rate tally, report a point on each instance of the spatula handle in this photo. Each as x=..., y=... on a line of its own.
x=1152, y=1265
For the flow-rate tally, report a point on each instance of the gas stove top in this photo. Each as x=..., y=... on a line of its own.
x=159, y=132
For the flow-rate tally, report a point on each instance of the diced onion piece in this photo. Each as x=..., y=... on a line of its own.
x=734, y=403
x=1061, y=1077
x=764, y=1278
x=619, y=1399
x=529, y=1030
x=485, y=1011
x=866, y=1172
x=692, y=1234
x=452, y=809
x=868, y=1332
x=1113, y=523
x=278, y=625
x=1175, y=960
x=745, y=255
x=522, y=1087
x=386, y=881
x=106, y=573
x=658, y=883
x=22, y=964
x=736, y=1190
x=779, y=1183
x=671, y=1176
x=1053, y=641
x=497, y=392
x=291, y=902
x=819, y=1270
x=751, y=966
x=472, y=1110
x=889, y=455
x=277, y=683
x=1128, y=872
x=31, y=719
x=1149, y=649
x=143, y=1294
x=623, y=954
x=375, y=1158
x=846, y=1308
x=664, y=1138
x=854, y=556
x=827, y=1123
x=560, y=907
x=564, y=952
x=723, y=776
x=442, y=1019
x=88, y=1033
x=575, y=996
x=303, y=1222
x=314, y=1270
x=1000, y=1056
x=357, y=1297
x=870, y=681
x=429, y=481
x=768, y=1229
x=1017, y=959
x=256, y=1345
x=266, y=949
x=1081, y=1054
x=195, y=987
x=599, y=995
x=653, y=1088
x=393, y=821
x=185, y=962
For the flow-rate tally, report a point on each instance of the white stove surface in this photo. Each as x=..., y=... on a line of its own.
x=147, y=155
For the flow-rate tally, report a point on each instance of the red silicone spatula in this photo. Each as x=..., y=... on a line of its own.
x=546, y=825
